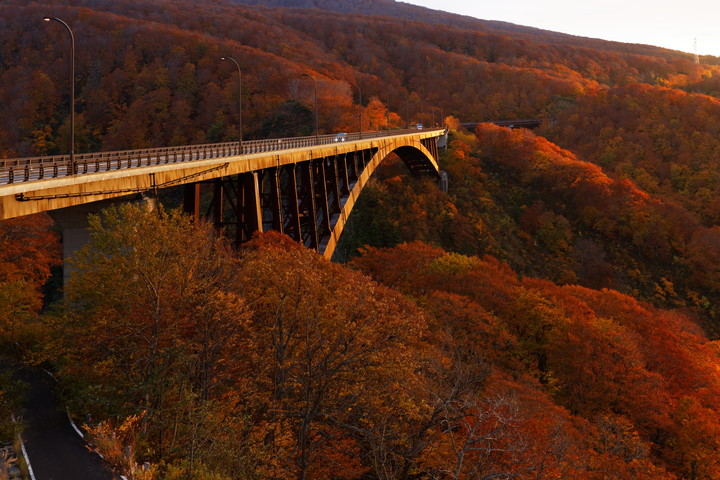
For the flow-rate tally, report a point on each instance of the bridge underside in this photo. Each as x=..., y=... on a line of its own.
x=309, y=201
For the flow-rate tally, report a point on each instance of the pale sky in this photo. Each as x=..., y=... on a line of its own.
x=671, y=24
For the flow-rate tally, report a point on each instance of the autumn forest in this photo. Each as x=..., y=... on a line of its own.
x=553, y=315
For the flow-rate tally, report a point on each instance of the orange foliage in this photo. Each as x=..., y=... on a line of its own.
x=624, y=367
x=28, y=251
x=663, y=139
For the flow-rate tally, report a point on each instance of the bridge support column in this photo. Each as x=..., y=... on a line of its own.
x=73, y=221
x=275, y=200
x=218, y=203
x=191, y=203
x=333, y=183
x=322, y=198
x=308, y=207
x=344, y=178
x=250, y=218
x=443, y=182
x=292, y=204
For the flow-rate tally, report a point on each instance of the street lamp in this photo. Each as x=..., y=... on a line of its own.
x=72, y=168
x=240, y=130
x=317, y=128
x=359, y=109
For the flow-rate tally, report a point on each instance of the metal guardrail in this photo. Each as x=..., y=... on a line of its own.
x=19, y=170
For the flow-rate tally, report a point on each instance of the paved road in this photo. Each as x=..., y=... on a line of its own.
x=55, y=450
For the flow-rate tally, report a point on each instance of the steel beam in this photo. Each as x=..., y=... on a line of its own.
x=343, y=174
x=333, y=184
x=321, y=194
x=308, y=207
x=275, y=206
x=292, y=224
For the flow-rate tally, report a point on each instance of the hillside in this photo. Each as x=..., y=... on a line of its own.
x=142, y=63
x=273, y=363
x=553, y=315
x=404, y=11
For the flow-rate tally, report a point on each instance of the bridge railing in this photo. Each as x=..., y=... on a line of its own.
x=18, y=170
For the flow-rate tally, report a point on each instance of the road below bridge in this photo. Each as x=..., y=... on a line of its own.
x=55, y=450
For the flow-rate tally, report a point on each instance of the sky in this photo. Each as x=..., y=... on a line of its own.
x=674, y=24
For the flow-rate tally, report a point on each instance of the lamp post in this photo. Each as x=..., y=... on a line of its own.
x=359, y=110
x=240, y=130
x=72, y=167
x=317, y=128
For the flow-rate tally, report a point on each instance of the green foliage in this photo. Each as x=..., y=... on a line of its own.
x=12, y=395
x=183, y=471
x=371, y=223
x=453, y=263
x=290, y=119
x=18, y=302
x=29, y=251
x=146, y=324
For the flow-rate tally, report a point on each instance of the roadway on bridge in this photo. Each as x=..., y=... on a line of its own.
x=20, y=170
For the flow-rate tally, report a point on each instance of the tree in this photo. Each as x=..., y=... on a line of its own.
x=29, y=249
x=290, y=119
x=377, y=113
x=273, y=360
x=150, y=325
x=336, y=357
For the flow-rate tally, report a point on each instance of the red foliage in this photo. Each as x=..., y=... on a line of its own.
x=28, y=249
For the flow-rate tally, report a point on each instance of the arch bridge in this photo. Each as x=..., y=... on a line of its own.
x=304, y=187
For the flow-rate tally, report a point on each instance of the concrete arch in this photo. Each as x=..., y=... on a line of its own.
x=416, y=156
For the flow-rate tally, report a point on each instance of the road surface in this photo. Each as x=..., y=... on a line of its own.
x=55, y=450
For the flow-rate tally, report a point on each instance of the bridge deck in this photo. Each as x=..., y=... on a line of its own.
x=31, y=185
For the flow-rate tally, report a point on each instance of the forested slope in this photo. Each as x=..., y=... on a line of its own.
x=553, y=315
x=273, y=363
x=141, y=64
